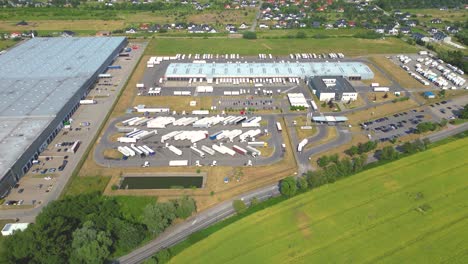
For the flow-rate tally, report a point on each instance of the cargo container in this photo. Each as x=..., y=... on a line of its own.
x=151, y=152
x=258, y=144
x=198, y=152
x=144, y=150
x=278, y=126
x=302, y=144
x=126, y=140
x=175, y=150
x=137, y=150
x=176, y=163
x=213, y=136
x=239, y=150
x=381, y=89
x=87, y=102
x=218, y=149
x=228, y=150
x=105, y=75
x=129, y=151
x=253, y=151
x=208, y=150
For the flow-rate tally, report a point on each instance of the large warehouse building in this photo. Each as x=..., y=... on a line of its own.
x=41, y=84
x=211, y=71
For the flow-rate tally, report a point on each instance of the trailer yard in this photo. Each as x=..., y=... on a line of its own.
x=192, y=141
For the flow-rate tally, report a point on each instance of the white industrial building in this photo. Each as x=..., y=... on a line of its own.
x=10, y=228
x=334, y=88
x=41, y=84
x=211, y=72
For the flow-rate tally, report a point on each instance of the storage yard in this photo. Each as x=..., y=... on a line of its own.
x=166, y=140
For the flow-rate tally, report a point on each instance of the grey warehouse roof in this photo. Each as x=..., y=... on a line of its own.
x=37, y=79
x=263, y=70
x=341, y=85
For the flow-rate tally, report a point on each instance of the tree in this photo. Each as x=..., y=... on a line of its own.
x=388, y=153
x=239, y=206
x=254, y=201
x=323, y=161
x=302, y=183
x=163, y=256
x=288, y=186
x=301, y=35
x=464, y=112
x=184, y=207
x=158, y=216
x=352, y=151
x=249, y=35
x=90, y=245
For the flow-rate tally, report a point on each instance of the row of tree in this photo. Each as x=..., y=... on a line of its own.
x=405, y=4
x=362, y=148
x=89, y=228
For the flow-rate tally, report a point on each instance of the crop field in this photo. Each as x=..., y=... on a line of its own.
x=414, y=208
x=349, y=46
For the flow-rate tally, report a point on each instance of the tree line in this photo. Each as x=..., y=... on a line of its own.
x=406, y=4
x=89, y=228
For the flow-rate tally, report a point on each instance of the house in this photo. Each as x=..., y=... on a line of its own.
x=440, y=36
x=153, y=28
x=262, y=26
x=391, y=31
x=68, y=33
x=316, y=24
x=420, y=37
x=405, y=30
x=14, y=35
x=380, y=30
x=103, y=33
x=411, y=23
x=432, y=31
x=144, y=26
x=130, y=31
x=340, y=23
x=352, y=24
x=452, y=29
x=436, y=21
x=398, y=13
x=243, y=26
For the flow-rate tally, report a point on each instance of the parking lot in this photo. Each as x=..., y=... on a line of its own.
x=448, y=109
x=163, y=154
x=395, y=126
x=51, y=171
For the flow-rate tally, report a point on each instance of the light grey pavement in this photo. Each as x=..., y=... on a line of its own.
x=257, y=16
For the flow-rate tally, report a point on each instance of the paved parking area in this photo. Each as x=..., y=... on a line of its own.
x=164, y=155
x=395, y=126
x=448, y=109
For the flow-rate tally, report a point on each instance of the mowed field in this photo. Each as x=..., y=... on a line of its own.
x=412, y=209
x=348, y=46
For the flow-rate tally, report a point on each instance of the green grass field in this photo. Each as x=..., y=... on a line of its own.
x=4, y=44
x=349, y=46
x=412, y=209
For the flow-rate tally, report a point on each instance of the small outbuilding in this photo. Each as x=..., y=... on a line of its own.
x=429, y=95
x=9, y=228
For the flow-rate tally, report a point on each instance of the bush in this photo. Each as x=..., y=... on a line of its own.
x=249, y=35
x=288, y=187
x=239, y=206
x=301, y=35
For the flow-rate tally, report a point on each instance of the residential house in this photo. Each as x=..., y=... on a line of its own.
x=130, y=31
x=68, y=33
x=440, y=36
x=103, y=33
x=243, y=26
x=405, y=30
x=420, y=37
x=316, y=24
x=436, y=21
